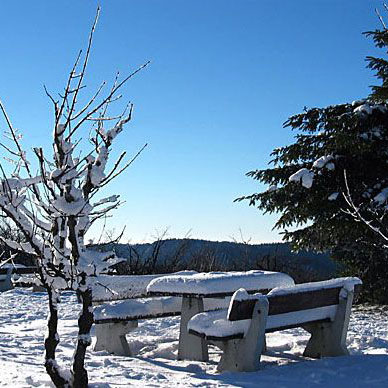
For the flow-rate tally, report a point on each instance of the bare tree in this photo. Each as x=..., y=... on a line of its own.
x=156, y=259
x=244, y=260
x=55, y=207
x=206, y=260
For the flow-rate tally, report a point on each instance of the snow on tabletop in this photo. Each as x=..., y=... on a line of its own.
x=304, y=176
x=348, y=283
x=216, y=324
x=219, y=282
x=111, y=287
x=150, y=306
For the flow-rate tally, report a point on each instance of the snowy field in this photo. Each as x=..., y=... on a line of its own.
x=22, y=328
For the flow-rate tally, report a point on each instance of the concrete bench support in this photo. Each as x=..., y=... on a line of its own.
x=244, y=354
x=6, y=283
x=191, y=347
x=328, y=339
x=111, y=337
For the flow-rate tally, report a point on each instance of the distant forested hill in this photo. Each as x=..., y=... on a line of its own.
x=177, y=254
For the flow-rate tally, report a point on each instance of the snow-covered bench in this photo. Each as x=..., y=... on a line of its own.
x=321, y=308
x=121, y=302
x=114, y=321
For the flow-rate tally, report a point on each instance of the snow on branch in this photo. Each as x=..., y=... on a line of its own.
x=53, y=208
x=304, y=176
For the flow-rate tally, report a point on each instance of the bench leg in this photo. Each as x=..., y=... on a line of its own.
x=243, y=355
x=190, y=346
x=37, y=288
x=329, y=339
x=264, y=350
x=6, y=283
x=111, y=337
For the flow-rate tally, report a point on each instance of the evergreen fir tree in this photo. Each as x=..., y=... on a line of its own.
x=379, y=65
x=337, y=148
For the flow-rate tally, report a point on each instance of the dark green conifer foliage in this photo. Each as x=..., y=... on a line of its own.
x=352, y=138
x=379, y=65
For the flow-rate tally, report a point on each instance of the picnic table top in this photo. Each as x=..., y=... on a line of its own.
x=117, y=287
x=213, y=284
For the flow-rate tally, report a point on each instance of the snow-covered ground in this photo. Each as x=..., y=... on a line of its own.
x=22, y=328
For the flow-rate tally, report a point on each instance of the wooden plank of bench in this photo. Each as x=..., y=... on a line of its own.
x=209, y=295
x=282, y=304
x=217, y=338
x=135, y=317
x=241, y=309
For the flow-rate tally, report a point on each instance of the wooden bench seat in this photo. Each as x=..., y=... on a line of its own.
x=114, y=320
x=121, y=301
x=321, y=308
x=134, y=309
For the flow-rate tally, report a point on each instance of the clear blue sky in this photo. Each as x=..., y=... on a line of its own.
x=224, y=77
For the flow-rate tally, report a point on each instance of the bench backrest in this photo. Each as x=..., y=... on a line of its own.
x=290, y=307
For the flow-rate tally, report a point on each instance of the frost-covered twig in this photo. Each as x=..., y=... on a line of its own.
x=354, y=211
x=54, y=209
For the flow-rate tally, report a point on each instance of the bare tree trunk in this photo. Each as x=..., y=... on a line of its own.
x=51, y=343
x=85, y=322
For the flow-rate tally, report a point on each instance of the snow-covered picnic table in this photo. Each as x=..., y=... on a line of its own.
x=108, y=288
x=193, y=289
